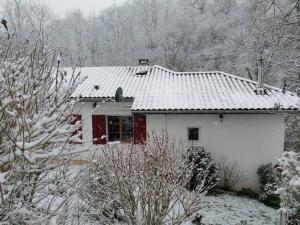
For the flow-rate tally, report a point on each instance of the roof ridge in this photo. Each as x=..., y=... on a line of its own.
x=163, y=68
x=80, y=67
x=253, y=81
x=226, y=74
x=238, y=77
x=194, y=72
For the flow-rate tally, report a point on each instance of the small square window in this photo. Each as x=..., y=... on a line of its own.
x=193, y=134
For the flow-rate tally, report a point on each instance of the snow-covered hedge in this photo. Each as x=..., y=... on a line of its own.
x=289, y=190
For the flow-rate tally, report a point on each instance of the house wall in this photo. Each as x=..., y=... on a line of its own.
x=248, y=139
x=109, y=108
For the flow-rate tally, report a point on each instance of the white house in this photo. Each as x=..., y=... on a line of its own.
x=227, y=115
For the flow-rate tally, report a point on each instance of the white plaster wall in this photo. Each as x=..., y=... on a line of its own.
x=86, y=110
x=248, y=139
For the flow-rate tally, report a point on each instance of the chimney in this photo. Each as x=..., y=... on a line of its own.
x=143, y=62
x=260, y=85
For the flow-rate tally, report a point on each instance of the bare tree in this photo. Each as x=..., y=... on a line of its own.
x=25, y=18
x=35, y=132
x=230, y=174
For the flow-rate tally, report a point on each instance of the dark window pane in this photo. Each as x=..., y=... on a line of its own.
x=127, y=124
x=127, y=128
x=120, y=128
x=113, y=128
x=114, y=136
x=193, y=134
x=113, y=124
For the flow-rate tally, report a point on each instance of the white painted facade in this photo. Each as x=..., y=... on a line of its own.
x=86, y=110
x=248, y=139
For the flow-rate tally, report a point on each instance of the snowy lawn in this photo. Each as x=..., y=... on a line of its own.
x=225, y=209
x=228, y=209
x=221, y=209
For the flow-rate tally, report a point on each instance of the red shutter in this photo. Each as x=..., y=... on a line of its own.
x=74, y=119
x=99, y=129
x=139, y=129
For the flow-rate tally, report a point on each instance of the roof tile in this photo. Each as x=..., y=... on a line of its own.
x=163, y=89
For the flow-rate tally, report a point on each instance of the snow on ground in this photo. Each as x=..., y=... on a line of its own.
x=224, y=209
x=228, y=209
x=221, y=209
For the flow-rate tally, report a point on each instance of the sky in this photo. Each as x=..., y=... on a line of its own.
x=61, y=7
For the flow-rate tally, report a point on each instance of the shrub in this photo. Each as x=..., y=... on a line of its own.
x=248, y=192
x=142, y=184
x=294, y=218
x=289, y=188
x=292, y=132
x=269, y=182
x=230, y=174
x=204, y=169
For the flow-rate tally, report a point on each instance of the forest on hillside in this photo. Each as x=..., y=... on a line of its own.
x=235, y=36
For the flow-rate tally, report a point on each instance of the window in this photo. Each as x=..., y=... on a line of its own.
x=193, y=134
x=120, y=128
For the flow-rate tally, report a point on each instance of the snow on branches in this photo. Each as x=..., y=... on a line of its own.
x=35, y=130
x=142, y=185
x=289, y=189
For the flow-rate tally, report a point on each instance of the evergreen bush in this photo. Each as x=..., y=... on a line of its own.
x=269, y=182
x=204, y=169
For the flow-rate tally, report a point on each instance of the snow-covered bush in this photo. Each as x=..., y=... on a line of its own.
x=142, y=185
x=292, y=132
x=34, y=133
x=230, y=174
x=269, y=182
x=289, y=189
x=204, y=169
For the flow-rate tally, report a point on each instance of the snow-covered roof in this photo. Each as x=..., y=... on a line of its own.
x=166, y=90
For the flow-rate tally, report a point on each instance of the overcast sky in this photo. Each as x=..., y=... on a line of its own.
x=60, y=7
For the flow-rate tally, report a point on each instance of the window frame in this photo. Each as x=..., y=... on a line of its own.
x=188, y=134
x=122, y=140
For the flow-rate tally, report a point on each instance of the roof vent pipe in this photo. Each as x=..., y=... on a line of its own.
x=260, y=85
x=143, y=62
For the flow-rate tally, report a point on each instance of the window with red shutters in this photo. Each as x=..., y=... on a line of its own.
x=99, y=129
x=74, y=119
x=139, y=129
